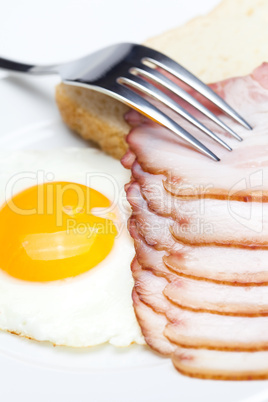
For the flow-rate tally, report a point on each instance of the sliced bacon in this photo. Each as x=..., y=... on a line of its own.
x=200, y=232
x=221, y=365
x=202, y=363
x=196, y=294
x=198, y=329
x=213, y=331
x=148, y=257
x=201, y=295
x=205, y=220
x=128, y=159
x=223, y=264
x=152, y=327
x=158, y=151
x=150, y=288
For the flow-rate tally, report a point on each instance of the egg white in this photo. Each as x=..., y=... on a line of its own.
x=91, y=308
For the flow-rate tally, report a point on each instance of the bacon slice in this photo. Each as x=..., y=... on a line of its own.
x=200, y=363
x=150, y=288
x=213, y=331
x=197, y=329
x=196, y=294
x=200, y=231
x=160, y=152
x=200, y=295
x=227, y=265
x=148, y=257
x=152, y=326
x=223, y=264
x=204, y=220
x=218, y=365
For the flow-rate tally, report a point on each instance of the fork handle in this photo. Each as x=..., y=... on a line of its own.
x=15, y=66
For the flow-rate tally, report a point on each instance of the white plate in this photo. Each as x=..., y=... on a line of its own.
x=29, y=120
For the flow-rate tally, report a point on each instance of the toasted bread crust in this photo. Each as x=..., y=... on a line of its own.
x=88, y=120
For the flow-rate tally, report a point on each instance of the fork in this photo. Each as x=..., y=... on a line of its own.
x=122, y=71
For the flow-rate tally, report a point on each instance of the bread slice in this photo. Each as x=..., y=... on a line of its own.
x=229, y=41
x=95, y=117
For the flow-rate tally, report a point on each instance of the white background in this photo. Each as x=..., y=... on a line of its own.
x=51, y=31
x=56, y=30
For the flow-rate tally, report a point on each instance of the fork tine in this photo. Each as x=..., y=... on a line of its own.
x=159, y=78
x=132, y=99
x=184, y=75
x=148, y=89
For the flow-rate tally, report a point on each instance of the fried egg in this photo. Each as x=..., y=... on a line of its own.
x=65, y=251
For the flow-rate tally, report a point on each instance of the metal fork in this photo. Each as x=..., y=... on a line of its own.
x=122, y=71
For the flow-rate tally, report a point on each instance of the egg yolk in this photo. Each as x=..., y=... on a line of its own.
x=49, y=232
